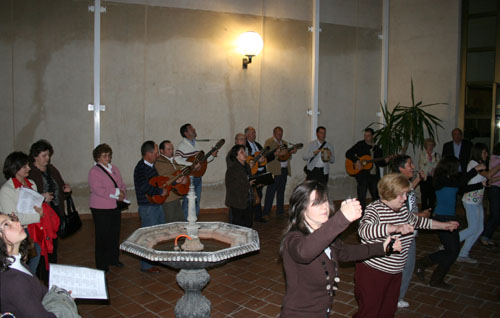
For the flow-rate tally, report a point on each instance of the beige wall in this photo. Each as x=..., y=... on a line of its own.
x=163, y=66
x=424, y=45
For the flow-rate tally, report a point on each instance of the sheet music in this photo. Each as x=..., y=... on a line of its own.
x=83, y=282
x=28, y=199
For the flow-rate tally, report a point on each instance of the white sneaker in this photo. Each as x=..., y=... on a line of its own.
x=467, y=260
x=403, y=304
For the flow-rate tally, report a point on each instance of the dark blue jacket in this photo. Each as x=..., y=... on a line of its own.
x=142, y=174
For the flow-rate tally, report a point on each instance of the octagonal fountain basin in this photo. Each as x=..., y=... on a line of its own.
x=224, y=240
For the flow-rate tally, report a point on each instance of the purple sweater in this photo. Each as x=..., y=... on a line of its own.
x=101, y=186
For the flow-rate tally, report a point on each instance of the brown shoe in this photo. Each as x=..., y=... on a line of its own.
x=152, y=270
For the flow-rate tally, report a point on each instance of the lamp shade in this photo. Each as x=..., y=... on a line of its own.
x=250, y=43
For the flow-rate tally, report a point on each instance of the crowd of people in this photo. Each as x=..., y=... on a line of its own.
x=311, y=248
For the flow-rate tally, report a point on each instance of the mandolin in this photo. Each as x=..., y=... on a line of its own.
x=203, y=161
x=285, y=152
x=256, y=156
x=366, y=164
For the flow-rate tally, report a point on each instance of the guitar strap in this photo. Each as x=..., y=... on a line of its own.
x=320, y=147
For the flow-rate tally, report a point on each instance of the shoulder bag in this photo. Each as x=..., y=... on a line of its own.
x=120, y=205
x=70, y=221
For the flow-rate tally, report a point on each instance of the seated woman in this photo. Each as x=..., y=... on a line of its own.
x=20, y=293
x=311, y=250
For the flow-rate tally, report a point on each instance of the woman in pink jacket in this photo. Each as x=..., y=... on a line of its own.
x=106, y=190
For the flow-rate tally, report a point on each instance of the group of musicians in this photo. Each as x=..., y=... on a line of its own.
x=273, y=158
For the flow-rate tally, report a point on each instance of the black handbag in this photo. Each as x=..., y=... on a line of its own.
x=70, y=221
x=120, y=205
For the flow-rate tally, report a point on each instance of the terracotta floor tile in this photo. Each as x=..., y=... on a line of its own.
x=253, y=285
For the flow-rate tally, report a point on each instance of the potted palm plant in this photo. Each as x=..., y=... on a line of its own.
x=405, y=125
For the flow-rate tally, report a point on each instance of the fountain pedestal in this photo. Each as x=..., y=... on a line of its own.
x=193, y=304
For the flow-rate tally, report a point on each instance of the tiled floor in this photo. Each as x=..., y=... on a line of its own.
x=253, y=285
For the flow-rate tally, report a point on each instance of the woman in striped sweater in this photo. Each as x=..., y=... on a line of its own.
x=378, y=279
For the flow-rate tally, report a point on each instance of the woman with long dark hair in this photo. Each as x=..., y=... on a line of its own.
x=447, y=182
x=473, y=202
x=311, y=250
x=20, y=293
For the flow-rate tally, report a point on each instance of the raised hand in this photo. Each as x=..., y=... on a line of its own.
x=351, y=208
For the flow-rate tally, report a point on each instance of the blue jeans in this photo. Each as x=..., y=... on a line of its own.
x=33, y=262
x=197, y=190
x=475, y=218
x=150, y=215
x=408, y=270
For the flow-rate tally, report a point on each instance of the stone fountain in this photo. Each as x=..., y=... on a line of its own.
x=192, y=260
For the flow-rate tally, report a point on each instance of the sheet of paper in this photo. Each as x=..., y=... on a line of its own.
x=83, y=282
x=28, y=199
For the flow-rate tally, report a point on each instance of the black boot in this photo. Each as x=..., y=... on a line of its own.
x=420, y=267
x=437, y=279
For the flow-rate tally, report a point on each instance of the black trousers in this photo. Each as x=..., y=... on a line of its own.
x=366, y=182
x=278, y=188
x=451, y=243
x=257, y=208
x=107, y=236
x=428, y=194
x=243, y=217
x=318, y=175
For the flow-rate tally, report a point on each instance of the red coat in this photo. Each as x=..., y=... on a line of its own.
x=45, y=231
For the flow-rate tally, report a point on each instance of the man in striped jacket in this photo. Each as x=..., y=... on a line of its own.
x=378, y=279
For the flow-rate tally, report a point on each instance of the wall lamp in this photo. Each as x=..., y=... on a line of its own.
x=249, y=44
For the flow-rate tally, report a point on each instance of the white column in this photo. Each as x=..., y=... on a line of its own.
x=313, y=112
x=97, y=107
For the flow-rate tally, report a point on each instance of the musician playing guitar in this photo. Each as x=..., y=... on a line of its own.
x=366, y=179
x=254, y=147
x=150, y=213
x=166, y=166
x=188, y=148
x=280, y=169
x=319, y=156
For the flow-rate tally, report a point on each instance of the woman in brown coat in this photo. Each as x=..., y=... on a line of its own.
x=238, y=187
x=311, y=250
x=51, y=185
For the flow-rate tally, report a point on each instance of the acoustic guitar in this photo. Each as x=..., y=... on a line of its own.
x=285, y=152
x=256, y=156
x=203, y=161
x=366, y=164
x=167, y=182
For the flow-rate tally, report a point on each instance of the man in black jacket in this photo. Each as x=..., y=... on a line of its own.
x=367, y=179
x=253, y=147
x=150, y=213
x=458, y=147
